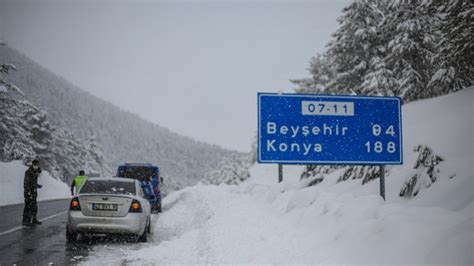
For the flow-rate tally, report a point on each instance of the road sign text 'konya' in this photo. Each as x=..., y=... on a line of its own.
x=320, y=129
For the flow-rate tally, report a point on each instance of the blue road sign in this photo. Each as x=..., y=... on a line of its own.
x=319, y=129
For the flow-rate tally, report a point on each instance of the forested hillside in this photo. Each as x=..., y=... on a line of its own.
x=120, y=135
x=411, y=49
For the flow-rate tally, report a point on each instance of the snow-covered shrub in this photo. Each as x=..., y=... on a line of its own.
x=364, y=172
x=314, y=174
x=231, y=171
x=426, y=167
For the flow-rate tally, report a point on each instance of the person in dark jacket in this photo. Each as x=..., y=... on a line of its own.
x=31, y=193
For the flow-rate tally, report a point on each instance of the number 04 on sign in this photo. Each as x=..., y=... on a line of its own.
x=318, y=129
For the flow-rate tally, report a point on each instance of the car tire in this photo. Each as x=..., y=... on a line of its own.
x=143, y=237
x=70, y=236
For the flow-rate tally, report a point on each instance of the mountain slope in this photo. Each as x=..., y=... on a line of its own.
x=121, y=135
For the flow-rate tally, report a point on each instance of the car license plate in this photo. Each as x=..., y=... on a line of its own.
x=104, y=207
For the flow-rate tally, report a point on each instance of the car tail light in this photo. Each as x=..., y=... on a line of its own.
x=136, y=206
x=75, y=205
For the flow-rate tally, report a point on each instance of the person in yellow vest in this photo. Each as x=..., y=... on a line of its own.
x=78, y=182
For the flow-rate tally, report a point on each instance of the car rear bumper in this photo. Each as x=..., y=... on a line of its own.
x=133, y=223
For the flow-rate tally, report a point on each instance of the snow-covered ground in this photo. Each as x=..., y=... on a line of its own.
x=11, y=184
x=260, y=221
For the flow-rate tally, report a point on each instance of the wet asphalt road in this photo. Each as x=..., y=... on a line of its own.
x=46, y=244
x=40, y=245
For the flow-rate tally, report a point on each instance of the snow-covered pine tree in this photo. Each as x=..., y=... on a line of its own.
x=96, y=158
x=379, y=79
x=322, y=73
x=354, y=44
x=15, y=138
x=23, y=128
x=314, y=174
x=26, y=134
x=5, y=69
x=71, y=154
x=455, y=60
x=426, y=167
x=231, y=171
x=413, y=26
x=364, y=172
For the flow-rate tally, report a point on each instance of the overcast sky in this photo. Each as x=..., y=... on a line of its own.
x=194, y=67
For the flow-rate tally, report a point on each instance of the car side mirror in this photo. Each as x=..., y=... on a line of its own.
x=161, y=178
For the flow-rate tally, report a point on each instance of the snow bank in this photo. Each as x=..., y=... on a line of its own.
x=261, y=221
x=11, y=184
x=255, y=223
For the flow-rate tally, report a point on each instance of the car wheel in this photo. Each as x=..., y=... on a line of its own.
x=143, y=237
x=70, y=236
x=148, y=228
x=159, y=208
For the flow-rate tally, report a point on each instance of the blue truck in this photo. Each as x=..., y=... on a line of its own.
x=150, y=179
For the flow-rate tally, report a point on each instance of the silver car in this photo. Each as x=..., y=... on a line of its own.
x=109, y=205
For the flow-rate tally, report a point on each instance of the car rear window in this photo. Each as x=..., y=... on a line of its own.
x=138, y=172
x=108, y=187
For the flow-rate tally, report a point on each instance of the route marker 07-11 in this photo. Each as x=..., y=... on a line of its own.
x=324, y=129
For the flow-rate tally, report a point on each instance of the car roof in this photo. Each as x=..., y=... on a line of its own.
x=119, y=179
x=137, y=164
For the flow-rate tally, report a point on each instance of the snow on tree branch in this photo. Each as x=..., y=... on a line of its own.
x=426, y=167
